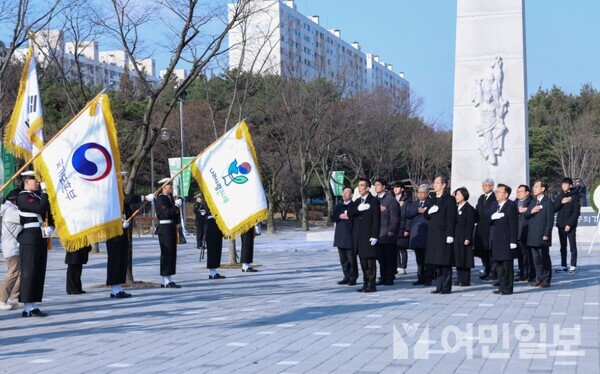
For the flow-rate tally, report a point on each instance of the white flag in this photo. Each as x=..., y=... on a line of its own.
x=228, y=175
x=82, y=169
x=24, y=136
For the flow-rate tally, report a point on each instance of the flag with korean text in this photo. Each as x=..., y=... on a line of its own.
x=24, y=132
x=227, y=173
x=82, y=170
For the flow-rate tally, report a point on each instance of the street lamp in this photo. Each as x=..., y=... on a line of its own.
x=164, y=135
x=181, y=99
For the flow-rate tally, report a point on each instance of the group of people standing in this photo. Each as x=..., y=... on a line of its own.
x=27, y=228
x=445, y=231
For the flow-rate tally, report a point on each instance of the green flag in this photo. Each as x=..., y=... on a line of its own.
x=8, y=169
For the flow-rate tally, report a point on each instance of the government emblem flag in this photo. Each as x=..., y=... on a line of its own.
x=24, y=135
x=227, y=173
x=82, y=170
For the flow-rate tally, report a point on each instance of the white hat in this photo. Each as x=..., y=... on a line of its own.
x=29, y=174
x=197, y=196
x=163, y=181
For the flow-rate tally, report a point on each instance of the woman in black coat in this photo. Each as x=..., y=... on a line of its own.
x=463, y=238
x=440, y=236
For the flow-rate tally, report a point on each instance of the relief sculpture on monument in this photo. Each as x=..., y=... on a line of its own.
x=486, y=95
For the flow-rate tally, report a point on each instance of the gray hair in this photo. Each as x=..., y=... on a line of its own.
x=424, y=186
x=488, y=180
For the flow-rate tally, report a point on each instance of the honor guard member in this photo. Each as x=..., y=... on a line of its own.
x=117, y=249
x=33, y=243
x=247, y=253
x=167, y=212
x=75, y=261
x=200, y=213
x=214, y=246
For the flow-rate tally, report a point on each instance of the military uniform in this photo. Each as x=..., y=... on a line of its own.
x=200, y=212
x=214, y=245
x=168, y=214
x=75, y=261
x=33, y=247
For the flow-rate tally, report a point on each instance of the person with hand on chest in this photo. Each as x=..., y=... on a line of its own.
x=504, y=223
x=540, y=216
x=367, y=216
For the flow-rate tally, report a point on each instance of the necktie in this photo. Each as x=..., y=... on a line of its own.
x=422, y=203
x=362, y=200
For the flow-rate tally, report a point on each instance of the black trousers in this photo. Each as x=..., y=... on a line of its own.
x=168, y=254
x=402, y=258
x=463, y=276
x=349, y=263
x=369, y=269
x=443, y=280
x=563, y=236
x=506, y=275
x=214, y=244
x=542, y=263
x=527, y=269
x=247, y=253
x=74, y=278
x=117, y=250
x=387, y=257
x=424, y=271
x=33, y=272
x=199, y=232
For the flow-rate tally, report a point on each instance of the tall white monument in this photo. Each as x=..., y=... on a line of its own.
x=490, y=136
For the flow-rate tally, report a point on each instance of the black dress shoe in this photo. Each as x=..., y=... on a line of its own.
x=170, y=285
x=367, y=290
x=77, y=292
x=506, y=293
x=496, y=284
x=445, y=292
x=249, y=270
x=34, y=313
x=120, y=295
x=389, y=283
x=352, y=282
x=497, y=292
x=360, y=290
x=483, y=277
x=427, y=284
x=436, y=291
x=418, y=283
x=343, y=281
x=380, y=282
x=217, y=276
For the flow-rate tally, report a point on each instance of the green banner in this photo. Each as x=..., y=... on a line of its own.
x=186, y=175
x=8, y=169
x=337, y=182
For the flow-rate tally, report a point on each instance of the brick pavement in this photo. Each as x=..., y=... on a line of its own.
x=291, y=317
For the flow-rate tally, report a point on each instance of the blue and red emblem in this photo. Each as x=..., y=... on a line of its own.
x=243, y=169
x=92, y=161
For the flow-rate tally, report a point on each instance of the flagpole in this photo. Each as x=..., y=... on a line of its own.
x=24, y=167
x=175, y=176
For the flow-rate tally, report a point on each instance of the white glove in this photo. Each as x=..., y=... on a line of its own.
x=449, y=240
x=497, y=215
x=363, y=207
x=48, y=230
x=202, y=212
x=43, y=185
x=373, y=241
x=125, y=225
x=149, y=197
x=179, y=202
x=433, y=209
x=513, y=246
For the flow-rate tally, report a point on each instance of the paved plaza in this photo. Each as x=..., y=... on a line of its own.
x=291, y=317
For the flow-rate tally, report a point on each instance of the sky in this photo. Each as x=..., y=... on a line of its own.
x=418, y=38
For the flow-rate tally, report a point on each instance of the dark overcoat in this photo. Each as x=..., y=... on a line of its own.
x=465, y=224
x=503, y=231
x=366, y=225
x=441, y=226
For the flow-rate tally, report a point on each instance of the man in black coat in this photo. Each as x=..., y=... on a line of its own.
x=540, y=214
x=417, y=225
x=503, y=237
x=482, y=230
x=387, y=254
x=343, y=239
x=525, y=260
x=33, y=243
x=403, y=234
x=568, y=207
x=167, y=212
x=366, y=214
x=440, y=236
